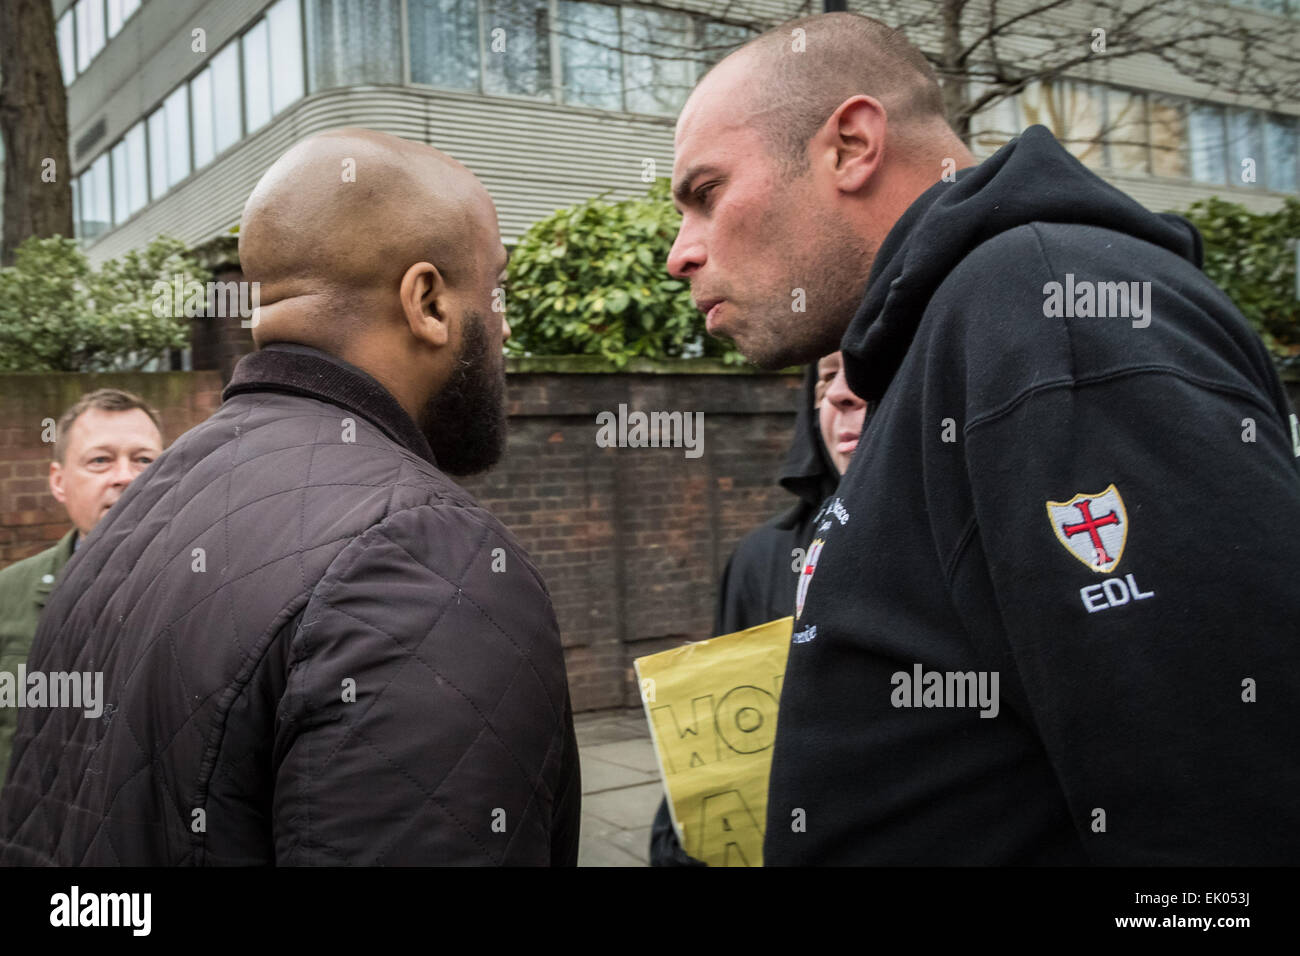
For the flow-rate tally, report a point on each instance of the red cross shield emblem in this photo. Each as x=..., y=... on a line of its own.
x=806, y=574
x=1093, y=528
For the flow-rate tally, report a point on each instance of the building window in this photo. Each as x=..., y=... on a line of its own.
x=272, y=64
x=90, y=31
x=518, y=47
x=85, y=28
x=286, y=63
x=67, y=48
x=1245, y=148
x=138, y=160
x=273, y=76
x=157, y=126
x=591, y=72
x=1281, y=154
x=1205, y=143
x=658, y=69
x=96, y=205
x=214, y=106
x=353, y=42
x=130, y=185
x=1167, y=123
x=226, y=126
x=1073, y=112
x=178, y=136
x=1085, y=118
x=169, y=143
x=444, y=43
x=608, y=56
x=204, y=117
x=1127, y=139
x=257, y=76
x=995, y=125
x=119, y=11
x=76, y=207
x=1161, y=136
x=82, y=13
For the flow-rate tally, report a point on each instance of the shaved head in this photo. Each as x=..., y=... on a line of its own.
x=800, y=71
x=386, y=253
x=341, y=216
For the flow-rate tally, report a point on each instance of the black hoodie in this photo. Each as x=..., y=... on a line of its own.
x=758, y=583
x=1102, y=510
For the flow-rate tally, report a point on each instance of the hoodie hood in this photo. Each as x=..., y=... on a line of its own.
x=1031, y=179
x=808, y=472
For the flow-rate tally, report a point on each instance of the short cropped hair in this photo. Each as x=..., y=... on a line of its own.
x=842, y=55
x=106, y=400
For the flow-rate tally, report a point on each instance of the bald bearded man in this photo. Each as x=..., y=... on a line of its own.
x=318, y=649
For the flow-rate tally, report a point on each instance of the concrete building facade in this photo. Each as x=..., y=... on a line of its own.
x=176, y=107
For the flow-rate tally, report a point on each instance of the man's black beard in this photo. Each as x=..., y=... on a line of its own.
x=465, y=423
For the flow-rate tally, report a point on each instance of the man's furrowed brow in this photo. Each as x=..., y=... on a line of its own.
x=682, y=191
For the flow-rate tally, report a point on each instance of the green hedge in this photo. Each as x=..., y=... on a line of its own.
x=592, y=280
x=1252, y=257
x=59, y=314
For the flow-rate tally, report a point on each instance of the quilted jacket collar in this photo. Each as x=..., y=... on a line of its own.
x=302, y=370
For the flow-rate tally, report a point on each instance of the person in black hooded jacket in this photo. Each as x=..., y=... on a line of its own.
x=1054, y=617
x=759, y=580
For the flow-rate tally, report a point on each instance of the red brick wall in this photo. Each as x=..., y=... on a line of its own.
x=30, y=519
x=631, y=541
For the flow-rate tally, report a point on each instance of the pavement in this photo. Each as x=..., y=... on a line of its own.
x=621, y=787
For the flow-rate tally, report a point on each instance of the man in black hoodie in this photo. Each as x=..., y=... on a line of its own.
x=1053, y=616
x=759, y=581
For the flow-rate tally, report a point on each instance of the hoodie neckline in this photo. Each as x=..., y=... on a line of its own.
x=1030, y=179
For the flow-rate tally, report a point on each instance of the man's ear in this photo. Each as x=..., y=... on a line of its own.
x=56, y=483
x=424, y=298
x=855, y=135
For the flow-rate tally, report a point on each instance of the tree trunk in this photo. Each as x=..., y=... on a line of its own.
x=34, y=124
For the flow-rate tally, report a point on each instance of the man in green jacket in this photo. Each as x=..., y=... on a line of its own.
x=102, y=443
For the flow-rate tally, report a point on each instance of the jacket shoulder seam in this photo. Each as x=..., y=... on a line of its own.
x=1020, y=398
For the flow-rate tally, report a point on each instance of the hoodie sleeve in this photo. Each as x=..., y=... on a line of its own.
x=1135, y=531
x=426, y=718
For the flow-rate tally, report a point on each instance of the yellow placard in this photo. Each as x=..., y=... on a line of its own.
x=712, y=713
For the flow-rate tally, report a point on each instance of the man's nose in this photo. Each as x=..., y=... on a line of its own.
x=123, y=473
x=840, y=395
x=505, y=329
x=686, y=256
